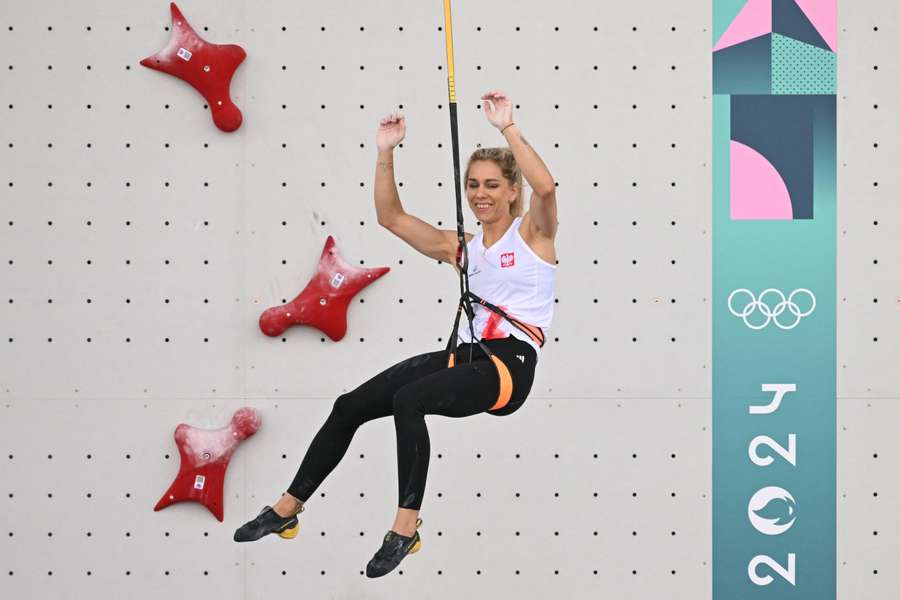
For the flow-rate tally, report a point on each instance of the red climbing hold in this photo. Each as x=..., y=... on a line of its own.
x=323, y=302
x=204, y=457
x=207, y=67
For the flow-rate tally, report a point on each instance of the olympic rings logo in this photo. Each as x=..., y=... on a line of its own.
x=771, y=313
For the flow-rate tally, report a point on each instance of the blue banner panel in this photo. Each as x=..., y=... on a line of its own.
x=774, y=299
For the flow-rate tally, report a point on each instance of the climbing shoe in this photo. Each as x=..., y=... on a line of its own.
x=266, y=522
x=393, y=549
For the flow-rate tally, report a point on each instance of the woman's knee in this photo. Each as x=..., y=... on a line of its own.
x=406, y=401
x=346, y=408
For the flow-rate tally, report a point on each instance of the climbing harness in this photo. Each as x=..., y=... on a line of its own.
x=467, y=297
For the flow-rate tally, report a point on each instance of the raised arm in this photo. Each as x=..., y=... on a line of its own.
x=439, y=244
x=542, y=207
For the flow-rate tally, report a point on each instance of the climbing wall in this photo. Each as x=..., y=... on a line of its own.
x=141, y=243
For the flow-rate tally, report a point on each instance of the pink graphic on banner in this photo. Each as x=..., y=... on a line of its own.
x=754, y=20
x=823, y=16
x=757, y=190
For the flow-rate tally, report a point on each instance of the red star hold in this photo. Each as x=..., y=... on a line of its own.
x=204, y=457
x=207, y=67
x=323, y=302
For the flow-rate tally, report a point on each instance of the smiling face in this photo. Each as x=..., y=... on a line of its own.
x=490, y=194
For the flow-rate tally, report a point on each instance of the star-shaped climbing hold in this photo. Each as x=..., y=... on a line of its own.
x=207, y=67
x=204, y=457
x=323, y=302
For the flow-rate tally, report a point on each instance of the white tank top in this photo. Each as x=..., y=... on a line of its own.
x=512, y=277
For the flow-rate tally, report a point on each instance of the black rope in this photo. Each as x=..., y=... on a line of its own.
x=462, y=258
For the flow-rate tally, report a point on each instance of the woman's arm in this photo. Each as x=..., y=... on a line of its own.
x=543, y=199
x=387, y=199
x=439, y=244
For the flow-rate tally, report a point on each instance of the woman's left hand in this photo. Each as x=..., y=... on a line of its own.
x=500, y=114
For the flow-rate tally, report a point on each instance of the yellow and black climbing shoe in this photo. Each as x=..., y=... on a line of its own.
x=266, y=522
x=393, y=549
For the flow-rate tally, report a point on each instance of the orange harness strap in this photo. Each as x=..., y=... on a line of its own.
x=506, y=383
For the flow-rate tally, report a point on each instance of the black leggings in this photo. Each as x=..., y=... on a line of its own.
x=418, y=386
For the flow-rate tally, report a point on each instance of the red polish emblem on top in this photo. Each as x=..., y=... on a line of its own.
x=207, y=67
x=492, y=329
x=508, y=259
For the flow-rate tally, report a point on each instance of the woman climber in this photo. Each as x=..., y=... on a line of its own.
x=511, y=265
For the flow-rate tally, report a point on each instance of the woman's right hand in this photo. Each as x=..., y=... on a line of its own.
x=391, y=131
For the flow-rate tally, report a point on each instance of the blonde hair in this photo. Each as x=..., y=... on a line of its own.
x=503, y=158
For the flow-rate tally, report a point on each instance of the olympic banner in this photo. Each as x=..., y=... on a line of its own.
x=774, y=299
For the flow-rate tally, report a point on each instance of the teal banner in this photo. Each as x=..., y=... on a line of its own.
x=774, y=299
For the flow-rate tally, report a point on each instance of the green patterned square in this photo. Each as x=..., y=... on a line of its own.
x=800, y=68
